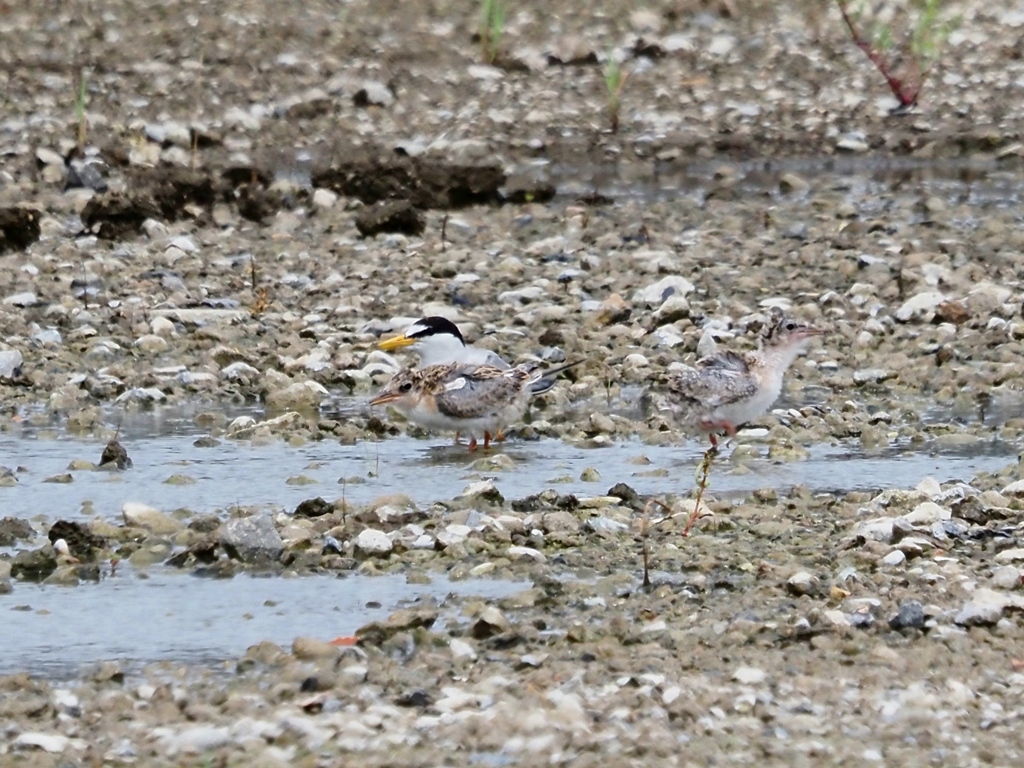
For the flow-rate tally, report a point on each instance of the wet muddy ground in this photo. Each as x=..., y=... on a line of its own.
x=258, y=197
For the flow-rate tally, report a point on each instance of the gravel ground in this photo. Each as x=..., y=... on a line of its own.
x=258, y=200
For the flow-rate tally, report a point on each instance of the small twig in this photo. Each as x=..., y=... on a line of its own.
x=702, y=484
x=644, y=530
x=444, y=234
x=906, y=95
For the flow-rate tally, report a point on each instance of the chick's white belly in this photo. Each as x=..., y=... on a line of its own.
x=429, y=418
x=747, y=410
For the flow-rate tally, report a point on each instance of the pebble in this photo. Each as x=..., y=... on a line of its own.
x=749, y=675
x=150, y=518
x=371, y=541
x=802, y=583
x=672, y=286
x=252, y=539
x=10, y=363
x=986, y=607
x=911, y=615
x=47, y=742
x=23, y=299
x=192, y=741
x=919, y=305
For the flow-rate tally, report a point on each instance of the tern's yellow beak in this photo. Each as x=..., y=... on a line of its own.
x=385, y=398
x=396, y=342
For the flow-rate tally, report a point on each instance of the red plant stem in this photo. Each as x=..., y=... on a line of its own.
x=875, y=56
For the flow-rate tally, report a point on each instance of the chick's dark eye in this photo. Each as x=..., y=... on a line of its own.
x=405, y=387
x=790, y=326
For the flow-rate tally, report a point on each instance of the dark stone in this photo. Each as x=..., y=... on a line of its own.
x=34, y=565
x=85, y=175
x=552, y=337
x=529, y=504
x=910, y=616
x=203, y=551
x=376, y=632
x=308, y=110
x=257, y=203
x=414, y=698
x=396, y=216
x=424, y=182
x=12, y=529
x=19, y=228
x=204, y=524
x=567, y=502
x=173, y=188
x=314, y=508
x=314, y=684
x=114, y=453
x=624, y=492
x=81, y=542
x=521, y=191
x=115, y=216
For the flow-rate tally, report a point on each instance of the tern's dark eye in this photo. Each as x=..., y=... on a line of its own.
x=405, y=387
x=790, y=326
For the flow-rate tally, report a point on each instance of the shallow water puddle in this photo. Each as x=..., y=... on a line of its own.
x=53, y=631
x=280, y=476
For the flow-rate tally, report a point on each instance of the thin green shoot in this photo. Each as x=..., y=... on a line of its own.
x=614, y=81
x=492, y=26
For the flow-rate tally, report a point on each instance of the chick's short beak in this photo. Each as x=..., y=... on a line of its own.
x=384, y=398
x=396, y=342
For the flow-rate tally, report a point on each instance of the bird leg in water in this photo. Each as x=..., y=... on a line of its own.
x=472, y=444
x=487, y=439
x=716, y=428
x=457, y=436
x=702, y=483
x=499, y=437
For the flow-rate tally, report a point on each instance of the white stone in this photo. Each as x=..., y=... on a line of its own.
x=301, y=394
x=239, y=370
x=1007, y=577
x=461, y=650
x=324, y=198
x=919, y=305
x=1010, y=555
x=929, y=486
x=48, y=742
x=453, y=534
x=926, y=513
x=23, y=299
x=10, y=363
x=145, y=516
x=202, y=738
x=517, y=552
x=986, y=606
x=373, y=542
x=894, y=558
x=658, y=293
x=151, y=343
x=749, y=675
x=161, y=326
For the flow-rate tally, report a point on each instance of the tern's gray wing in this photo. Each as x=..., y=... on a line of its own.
x=493, y=358
x=712, y=386
x=477, y=391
